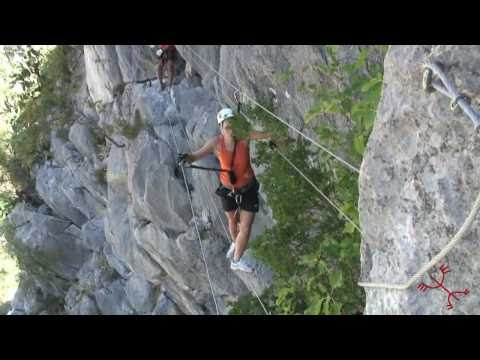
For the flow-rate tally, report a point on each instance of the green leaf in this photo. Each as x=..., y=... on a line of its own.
x=336, y=279
x=326, y=306
x=332, y=106
x=311, y=284
x=322, y=266
x=321, y=288
x=332, y=50
x=315, y=308
x=349, y=228
x=359, y=144
x=362, y=58
x=375, y=81
x=337, y=308
x=368, y=121
x=316, y=109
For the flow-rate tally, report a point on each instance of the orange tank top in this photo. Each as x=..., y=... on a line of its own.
x=241, y=164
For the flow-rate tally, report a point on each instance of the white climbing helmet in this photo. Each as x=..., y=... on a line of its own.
x=159, y=52
x=224, y=114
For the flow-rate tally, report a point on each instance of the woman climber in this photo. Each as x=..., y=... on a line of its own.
x=167, y=55
x=238, y=185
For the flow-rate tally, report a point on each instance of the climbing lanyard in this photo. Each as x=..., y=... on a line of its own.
x=205, y=168
x=149, y=81
x=231, y=173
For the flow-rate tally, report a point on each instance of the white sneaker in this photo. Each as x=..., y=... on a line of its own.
x=231, y=251
x=240, y=265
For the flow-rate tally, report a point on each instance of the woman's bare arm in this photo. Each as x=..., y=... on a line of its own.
x=204, y=151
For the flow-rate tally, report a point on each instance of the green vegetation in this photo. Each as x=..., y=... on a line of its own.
x=240, y=127
x=40, y=104
x=312, y=249
x=286, y=75
x=34, y=83
x=132, y=131
x=353, y=91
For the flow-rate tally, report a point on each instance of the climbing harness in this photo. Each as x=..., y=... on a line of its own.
x=345, y=163
x=447, y=89
x=237, y=194
x=195, y=222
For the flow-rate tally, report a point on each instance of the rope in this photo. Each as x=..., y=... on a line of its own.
x=458, y=236
x=261, y=303
x=218, y=214
x=195, y=221
x=446, y=88
x=348, y=165
x=319, y=191
x=449, y=90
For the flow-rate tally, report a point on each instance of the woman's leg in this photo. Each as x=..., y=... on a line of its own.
x=241, y=242
x=171, y=72
x=233, y=221
x=160, y=68
x=172, y=57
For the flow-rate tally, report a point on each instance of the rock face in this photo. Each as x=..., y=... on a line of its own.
x=125, y=242
x=116, y=232
x=276, y=73
x=418, y=181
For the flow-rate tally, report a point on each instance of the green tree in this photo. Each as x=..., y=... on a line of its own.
x=34, y=87
x=38, y=104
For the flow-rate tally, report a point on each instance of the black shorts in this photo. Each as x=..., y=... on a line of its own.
x=247, y=201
